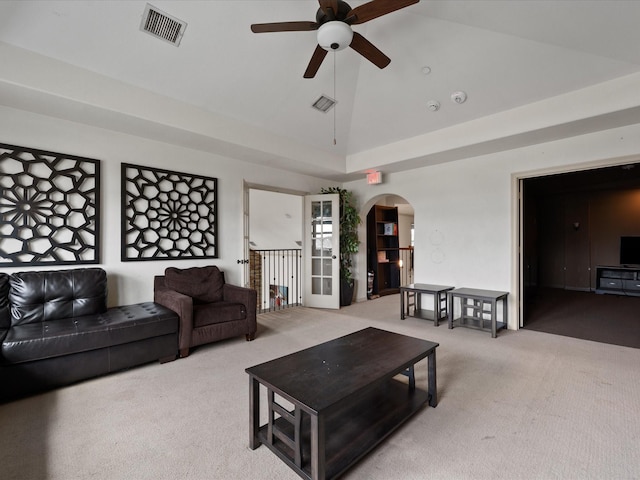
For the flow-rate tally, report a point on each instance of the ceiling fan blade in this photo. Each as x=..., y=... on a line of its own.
x=365, y=48
x=284, y=27
x=329, y=7
x=316, y=61
x=375, y=9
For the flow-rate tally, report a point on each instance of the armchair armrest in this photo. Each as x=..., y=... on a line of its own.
x=246, y=296
x=183, y=306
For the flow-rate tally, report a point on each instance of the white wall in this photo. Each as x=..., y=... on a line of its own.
x=275, y=219
x=464, y=213
x=132, y=282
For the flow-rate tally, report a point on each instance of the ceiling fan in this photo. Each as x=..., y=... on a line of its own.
x=333, y=23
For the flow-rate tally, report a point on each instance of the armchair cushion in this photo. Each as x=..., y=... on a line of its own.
x=218, y=312
x=205, y=284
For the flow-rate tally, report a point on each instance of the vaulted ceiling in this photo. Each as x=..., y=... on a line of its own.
x=504, y=54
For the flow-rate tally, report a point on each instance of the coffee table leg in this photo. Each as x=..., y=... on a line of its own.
x=297, y=436
x=433, y=384
x=412, y=378
x=402, y=293
x=254, y=412
x=317, y=448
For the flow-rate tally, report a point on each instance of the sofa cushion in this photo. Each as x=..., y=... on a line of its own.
x=218, y=312
x=119, y=325
x=42, y=296
x=202, y=283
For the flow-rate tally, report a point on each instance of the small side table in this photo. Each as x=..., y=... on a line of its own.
x=475, y=306
x=416, y=290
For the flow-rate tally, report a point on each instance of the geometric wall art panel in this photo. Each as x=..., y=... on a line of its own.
x=49, y=208
x=167, y=215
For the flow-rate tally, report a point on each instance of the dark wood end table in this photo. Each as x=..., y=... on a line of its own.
x=475, y=306
x=416, y=290
x=345, y=399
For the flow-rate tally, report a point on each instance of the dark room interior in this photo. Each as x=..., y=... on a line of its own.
x=576, y=283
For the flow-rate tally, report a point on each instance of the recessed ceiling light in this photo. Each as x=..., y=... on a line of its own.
x=426, y=70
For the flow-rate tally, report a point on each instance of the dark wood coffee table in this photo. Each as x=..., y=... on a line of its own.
x=344, y=399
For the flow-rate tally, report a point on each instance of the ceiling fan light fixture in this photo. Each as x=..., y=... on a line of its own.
x=335, y=36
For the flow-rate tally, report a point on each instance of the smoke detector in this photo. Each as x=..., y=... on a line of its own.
x=433, y=105
x=458, y=97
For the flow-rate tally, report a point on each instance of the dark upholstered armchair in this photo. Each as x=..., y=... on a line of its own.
x=209, y=309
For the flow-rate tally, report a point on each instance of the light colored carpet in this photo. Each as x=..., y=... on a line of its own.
x=526, y=405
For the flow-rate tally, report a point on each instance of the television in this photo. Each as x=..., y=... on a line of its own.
x=629, y=250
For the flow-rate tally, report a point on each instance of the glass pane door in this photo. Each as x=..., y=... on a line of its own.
x=322, y=288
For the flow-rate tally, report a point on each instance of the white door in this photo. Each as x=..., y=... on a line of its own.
x=245, y=236
x=321, y=251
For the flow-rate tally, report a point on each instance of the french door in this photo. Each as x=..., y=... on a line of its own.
x=322, y=251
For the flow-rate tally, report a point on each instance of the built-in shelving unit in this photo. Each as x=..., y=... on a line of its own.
x=383, y=249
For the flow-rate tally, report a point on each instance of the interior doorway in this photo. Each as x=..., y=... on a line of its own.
x=273, y=243
x=571, y=223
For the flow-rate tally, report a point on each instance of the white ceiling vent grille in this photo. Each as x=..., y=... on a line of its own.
x=157, y=23
x=324, y=104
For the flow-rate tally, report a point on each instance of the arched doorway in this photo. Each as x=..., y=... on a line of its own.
x=387, y=243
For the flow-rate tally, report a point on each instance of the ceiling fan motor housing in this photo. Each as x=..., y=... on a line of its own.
x=324, y=17
x=335, y=36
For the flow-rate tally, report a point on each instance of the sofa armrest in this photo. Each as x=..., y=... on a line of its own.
x=246, y=296
x=183, y=306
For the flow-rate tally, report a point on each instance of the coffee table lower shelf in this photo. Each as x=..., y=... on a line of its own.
x=354, y=430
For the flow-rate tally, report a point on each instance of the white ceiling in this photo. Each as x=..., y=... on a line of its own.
x=503, y=54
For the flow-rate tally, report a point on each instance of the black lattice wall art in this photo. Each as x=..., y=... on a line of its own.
x=49, y=208
x=167, y=215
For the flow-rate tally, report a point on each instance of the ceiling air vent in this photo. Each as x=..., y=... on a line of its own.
x=157, y=23
x=324, y=104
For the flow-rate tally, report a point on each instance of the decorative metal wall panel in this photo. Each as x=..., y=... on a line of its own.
x=49, y=208
x=167, y=215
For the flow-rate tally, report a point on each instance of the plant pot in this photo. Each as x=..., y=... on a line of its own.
x=346, y=293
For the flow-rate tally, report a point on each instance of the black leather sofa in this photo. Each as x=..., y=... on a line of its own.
x=56, y=329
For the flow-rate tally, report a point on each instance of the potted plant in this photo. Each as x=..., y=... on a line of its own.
x=349, y=243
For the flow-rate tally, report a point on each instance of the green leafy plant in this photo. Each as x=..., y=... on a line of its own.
x=349, y=221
